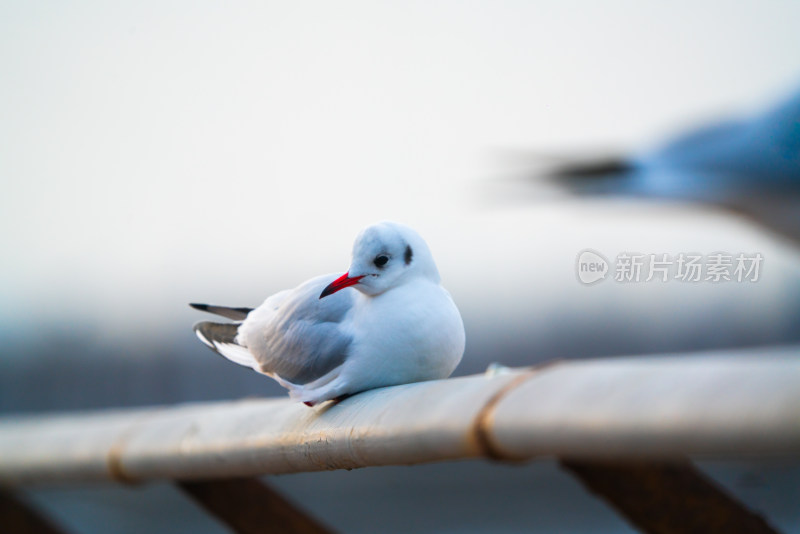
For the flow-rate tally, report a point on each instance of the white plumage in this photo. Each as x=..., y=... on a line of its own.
x=322, y=341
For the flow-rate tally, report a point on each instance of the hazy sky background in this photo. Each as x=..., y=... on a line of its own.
x=155, y=153
x=160, y=152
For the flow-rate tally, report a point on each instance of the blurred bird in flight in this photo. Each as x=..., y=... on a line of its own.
x=750, y=166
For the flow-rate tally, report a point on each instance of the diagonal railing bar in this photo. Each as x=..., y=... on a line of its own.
x=667, y=497
x=17, y=517
x=248, y=506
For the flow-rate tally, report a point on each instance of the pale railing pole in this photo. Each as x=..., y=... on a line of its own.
x=624, y=420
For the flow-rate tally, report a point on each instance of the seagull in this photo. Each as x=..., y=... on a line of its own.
x=749, y=166
x=386, y=321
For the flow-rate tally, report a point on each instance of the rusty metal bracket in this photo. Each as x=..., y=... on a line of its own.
x=248, y=506
x=17, y=517
x=667, y=497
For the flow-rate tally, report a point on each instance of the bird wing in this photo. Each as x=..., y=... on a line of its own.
x=298, y=336
x=236, y=314
x=221, y=338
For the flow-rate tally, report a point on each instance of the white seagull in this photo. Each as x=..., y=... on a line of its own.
x=396, y=325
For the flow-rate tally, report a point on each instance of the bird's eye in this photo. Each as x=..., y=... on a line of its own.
x=381, y=260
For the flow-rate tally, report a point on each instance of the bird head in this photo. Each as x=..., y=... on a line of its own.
x=386, y=255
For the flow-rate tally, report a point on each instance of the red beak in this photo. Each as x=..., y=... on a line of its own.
x=340, y=283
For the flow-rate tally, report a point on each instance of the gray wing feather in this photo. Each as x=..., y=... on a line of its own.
x=221, y=338
x=298, y=336
x=236, y=314
x=219, y=332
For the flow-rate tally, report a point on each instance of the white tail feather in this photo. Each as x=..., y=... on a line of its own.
x=233, y=352
x=237, y=354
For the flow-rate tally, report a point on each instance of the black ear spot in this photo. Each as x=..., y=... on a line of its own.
x=408, y=255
